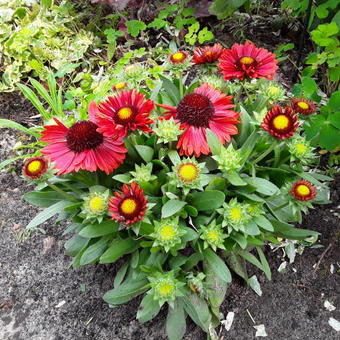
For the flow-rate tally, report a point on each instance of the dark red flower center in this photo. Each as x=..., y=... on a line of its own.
x=196, y=110
x=83, y=136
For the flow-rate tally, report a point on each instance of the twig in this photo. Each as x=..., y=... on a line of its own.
x=322, y=256
x=252, y=319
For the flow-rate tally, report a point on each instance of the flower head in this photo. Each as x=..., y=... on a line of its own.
x=280, y=124
x=167, y=130
x=129, y=206
x=300, y=149
x=303, y=106
x=235, y=214
x=178, y=57
x=126, y=110
x=142, y=173
x=35, y=167
x=271, y=90
x=82, y=147
x=303, y=190
x=206, y=108
x=229, y=159
x=247, y=61
x=254, y=209
x=213, y=236
x=207, y=54
x=167, y=233
x=165, y=287
x=96, y=203
x=119, y=86
x=196, y=283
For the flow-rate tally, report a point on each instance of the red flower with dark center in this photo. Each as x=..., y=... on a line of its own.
x=35, y=167
x=279, y=123
x=303, y=106
x=247, y=61
x=127, y=110
x=206, y=108
x=207, y=54
x=303, y=190
x=128, y=206
x=82, y=147
x=178, y=57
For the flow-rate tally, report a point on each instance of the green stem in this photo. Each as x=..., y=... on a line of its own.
x=72, y=188
x=281, y=206
x=181, y=86
x=264, y=154
x=61, y=192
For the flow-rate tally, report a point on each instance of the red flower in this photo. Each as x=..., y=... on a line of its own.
x=279, y=123
x=82, y=147
x=206, y=108
x=247, y=61
x=128, y=206
x=207, y=54
x=303, y=106
x=303, y=190
x=35, y=167
x=178, y=57
x=126, y=110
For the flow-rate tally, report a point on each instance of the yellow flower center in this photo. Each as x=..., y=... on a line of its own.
x=34, y=166
x=121, y=85
x=97, y=204
x=273, y=90
x=208, y=53
x=188, y=172
x=247, y=60
x=303, y=105
x=124, y=113
x=281, y=122
x=301, y=148
x=128, y=206
x=165, y=288
x=303, y=190
x=167, y=232
x=213, y=235
x=236, y=213
x=178, y=56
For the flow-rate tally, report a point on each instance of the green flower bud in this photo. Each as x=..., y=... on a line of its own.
x=142, y=173
x=96, y=203
x=300, y=149
x=213, y=236
x=167, y=131
x=229, y=159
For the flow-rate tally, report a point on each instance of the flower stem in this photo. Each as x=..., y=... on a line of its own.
x=264, y=154
x=61, y=192
x=281, y=206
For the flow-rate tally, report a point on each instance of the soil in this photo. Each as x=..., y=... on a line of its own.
x=41, y=298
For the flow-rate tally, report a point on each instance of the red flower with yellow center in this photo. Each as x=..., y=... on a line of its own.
x=206, y=108
x=303, y=190
x=280, y=124
x=207, y=54
x=35, y=167
x=247, y=61
x=126, y=110
x=178, y=57
x=82, y=147
x=303, y=106
x=129, y=206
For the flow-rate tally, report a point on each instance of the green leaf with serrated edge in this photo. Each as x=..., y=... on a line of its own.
x=262, y=185
x=75, y=244
x=118, y=248
x=235, y=179
x=94, y=251
x=265, y=265
x=176, y=321
x=100, y=229
x=120, y=275
x=237, y=264
x=126, y=292
x=134, y=27
x=214, y=143
x=263, y=223
x=148, y=308
x=198, y=310
x=47, y=213
x=146, y=152
x=217, y=265
x=6, y=123
x=172, y=207
x=42, y=198
x=286, y=230
x=207, y=200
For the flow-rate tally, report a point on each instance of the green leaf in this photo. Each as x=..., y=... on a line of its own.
x=6, y=123
x=334, y=101
x=148, y=309
x=126, y=292
x=171, y=90
x=75, y=244
x=251, y=228
x=309, y=85
x=286, y=230
x=237, y=264
x=265, y=265
x=235, y=179
x=205, y=35
x=214, y=143
x=95, y=230
x=175, y=321
x=322, y=35
x=329, y=137
x=172, y=207
x=47, y=213
x=42, y=198
x=207, y=200
x=174, y=157
x=146, y=152
x=121, y=274
x=217, y=265
x=335, y=118
x=158, y=23
x=118, y=248
x=262, y=185
x=240, y=239
x=94, y=251
x=263, y=223
x=224, y=8
x=123, y=178
x=134, y=27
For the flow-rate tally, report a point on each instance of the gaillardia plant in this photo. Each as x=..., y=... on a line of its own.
x=186, y=183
